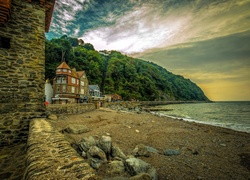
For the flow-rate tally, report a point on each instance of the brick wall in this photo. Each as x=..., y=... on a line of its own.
x=22, y=71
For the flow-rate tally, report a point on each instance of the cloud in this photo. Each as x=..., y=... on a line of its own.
x=206, y=41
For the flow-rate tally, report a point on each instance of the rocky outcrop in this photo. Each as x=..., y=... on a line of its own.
x=102, y=155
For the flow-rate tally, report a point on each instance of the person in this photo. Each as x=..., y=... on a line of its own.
x=46, y=103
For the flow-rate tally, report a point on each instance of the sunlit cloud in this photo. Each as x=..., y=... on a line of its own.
x=205, y=41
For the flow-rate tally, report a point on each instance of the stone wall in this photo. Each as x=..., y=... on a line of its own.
x=50, y=156
x=70, y=108
x=22, y=71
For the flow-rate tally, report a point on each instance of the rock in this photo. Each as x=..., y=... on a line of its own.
x=141, y=176
x=153, y=150
x=140, y=150
x=171, y=152
x=117, y=152
x=96, y=157
x=137, y=131
x=84, y=154
x=52, y=117
x=76, y=129
x=136, y=166
x=153, y=173
x=86, y=143
x=116, y=168
x=105, y=143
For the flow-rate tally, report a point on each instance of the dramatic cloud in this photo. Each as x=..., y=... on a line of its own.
x=206, y=41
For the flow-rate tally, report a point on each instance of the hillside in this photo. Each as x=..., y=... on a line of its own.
x=117, y=73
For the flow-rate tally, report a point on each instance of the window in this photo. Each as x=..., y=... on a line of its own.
x=69, y=71
x=4, y=42
x=64, y=70
x=82, y=91
x=58, y=88
x=73, y=89
x=82, y=83
x=64, y=88
x=61, y=80
x=73, y=80
x=77, y=81
x=58, y=70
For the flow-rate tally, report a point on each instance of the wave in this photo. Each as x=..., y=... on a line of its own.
x=232, y=126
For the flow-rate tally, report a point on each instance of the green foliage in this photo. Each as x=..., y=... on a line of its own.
x=117, y=73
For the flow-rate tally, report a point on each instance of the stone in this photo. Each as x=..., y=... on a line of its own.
x=8, y=123
x=153, y=150
x=105, y=143
x=140, y=150
x=52, y=117
x=136, y=166
x=117, y=152
x=86, y=143
x=153, y=173
x=170, y=152
x=96, y=157
x=141, y=176
x=76, y=129
x=116, y=168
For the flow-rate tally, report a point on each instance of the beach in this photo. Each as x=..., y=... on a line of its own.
x=204, y=151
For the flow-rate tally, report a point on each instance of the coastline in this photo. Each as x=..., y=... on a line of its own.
x=206, y=152
x=198, y=122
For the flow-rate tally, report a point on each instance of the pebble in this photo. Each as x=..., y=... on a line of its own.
x=224, y=145
x=137, y=131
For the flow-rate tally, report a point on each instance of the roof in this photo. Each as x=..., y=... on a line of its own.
x=5, y=11
x=63, y=65
x=94, y=87
x=74, y=74
x=80, y=73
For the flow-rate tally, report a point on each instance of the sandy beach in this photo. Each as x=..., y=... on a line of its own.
x=205, y=152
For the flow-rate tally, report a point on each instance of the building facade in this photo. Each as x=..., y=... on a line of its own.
x=69, y=85
x=22, y=65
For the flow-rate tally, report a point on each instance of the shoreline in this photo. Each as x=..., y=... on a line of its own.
x=196, y=121
x=207, y=152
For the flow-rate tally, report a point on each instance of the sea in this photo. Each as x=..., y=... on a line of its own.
x=230, y=114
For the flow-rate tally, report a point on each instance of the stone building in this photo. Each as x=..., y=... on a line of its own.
x=69, y=85
x=23, y=24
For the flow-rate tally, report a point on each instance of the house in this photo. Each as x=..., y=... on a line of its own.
x=95, y=92
x=83, y=83
x=69, y=85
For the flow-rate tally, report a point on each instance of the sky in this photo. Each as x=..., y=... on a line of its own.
x=206, y=41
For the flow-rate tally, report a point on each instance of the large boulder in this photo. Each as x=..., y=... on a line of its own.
x=136, y=166
x=96, y=157
x=141, y=150
x=116, y=168
x=116, y=152
x=86, y=142
x=76, y=129
x=105, y=144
